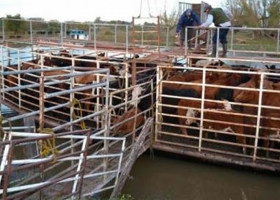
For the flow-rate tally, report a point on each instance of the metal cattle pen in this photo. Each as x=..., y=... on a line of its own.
x=64, y=127
x=62, y=114
x=218, y=145
x=66, y=171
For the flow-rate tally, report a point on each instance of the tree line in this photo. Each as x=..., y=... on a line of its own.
x=18, y=25
x=251, y=13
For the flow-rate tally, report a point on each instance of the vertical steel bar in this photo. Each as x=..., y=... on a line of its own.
x=2, y=78
x=19, y=78
x=9, y=170
x=126, y=39
x=31, y=32
x=94, y=37
x=167, y=37
x=5, y=158
x=61, y=34
x=231, y=39
x=258, y=117
x=158, y=35
x=3, y=29
x=79, y=166
x=142, y=35
x=217, y=42
x=202, y=107
x=278, y=40
x=116, y=28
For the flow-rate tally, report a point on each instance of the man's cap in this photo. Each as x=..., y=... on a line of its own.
x=207, y=6
x=188, y=11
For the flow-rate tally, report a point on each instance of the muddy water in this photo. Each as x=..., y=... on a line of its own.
x=170, y=178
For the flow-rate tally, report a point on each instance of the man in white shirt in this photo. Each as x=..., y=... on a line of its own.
x=220, y=19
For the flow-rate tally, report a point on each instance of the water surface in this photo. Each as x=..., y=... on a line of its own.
x=167, y=178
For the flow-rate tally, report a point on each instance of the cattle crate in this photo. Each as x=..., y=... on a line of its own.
x=223, y=113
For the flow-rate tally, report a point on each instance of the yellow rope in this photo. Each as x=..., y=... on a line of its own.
x=48, y=146
x=74, y=116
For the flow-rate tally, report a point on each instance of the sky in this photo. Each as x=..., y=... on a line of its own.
x=89, y=10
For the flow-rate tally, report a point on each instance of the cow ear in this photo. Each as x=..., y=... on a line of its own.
x=215, y=75
x=197, y=113
x=237, y=76
x=257, y=80
x=114, y=119
x=268, y=84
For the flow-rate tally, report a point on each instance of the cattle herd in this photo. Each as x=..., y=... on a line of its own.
x=227, y=101
x=236, y=101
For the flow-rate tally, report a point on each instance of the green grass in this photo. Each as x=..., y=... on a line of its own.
x=247, y=41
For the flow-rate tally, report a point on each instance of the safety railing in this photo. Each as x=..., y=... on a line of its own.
x=241, y=41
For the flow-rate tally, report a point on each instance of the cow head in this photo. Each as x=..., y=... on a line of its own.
x=191, y=114
x=137, y=91
x=227, y=105
x=243, y=95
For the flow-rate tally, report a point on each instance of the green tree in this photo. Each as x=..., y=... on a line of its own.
x=53, y=26
x=98, y=20
x=14, y=24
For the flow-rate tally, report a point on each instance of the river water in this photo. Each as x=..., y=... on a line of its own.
x=172, y=177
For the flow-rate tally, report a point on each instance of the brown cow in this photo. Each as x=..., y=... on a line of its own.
x=270, y=127
x=210, y=93
x=232, y=79
x=14, y=80
x=269, y=98
x=134, y=118
x=213, y=76
x=186, y=107
x=219, y=119
x=187, y=77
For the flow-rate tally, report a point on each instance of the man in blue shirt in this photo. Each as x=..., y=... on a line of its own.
x=188, y=18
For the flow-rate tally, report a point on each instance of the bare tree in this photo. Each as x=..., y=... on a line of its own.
x=273, y=12
x=169, y=19
x=254, y=13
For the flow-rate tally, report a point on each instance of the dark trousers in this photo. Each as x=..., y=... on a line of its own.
x=222, y=35
x=183, y=33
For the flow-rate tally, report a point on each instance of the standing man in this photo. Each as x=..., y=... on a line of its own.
x=220, y=19
x=188, y=18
